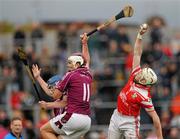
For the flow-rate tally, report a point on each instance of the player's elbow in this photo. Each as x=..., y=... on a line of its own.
x=157, y=125
x=57, y=94
x=157, y=122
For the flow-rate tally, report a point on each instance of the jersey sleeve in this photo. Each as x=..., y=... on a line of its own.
x=147, y=104
x=145, y=101
x=62, y=85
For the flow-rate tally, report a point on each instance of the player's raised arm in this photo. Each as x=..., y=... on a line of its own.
x=52, y=93
x=138, y=46
x=85, y=50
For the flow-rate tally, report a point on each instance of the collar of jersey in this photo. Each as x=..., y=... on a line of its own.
x=77, y=69
x=14, y=135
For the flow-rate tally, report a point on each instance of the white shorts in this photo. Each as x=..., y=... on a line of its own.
x=71, y=126
x=123, y=127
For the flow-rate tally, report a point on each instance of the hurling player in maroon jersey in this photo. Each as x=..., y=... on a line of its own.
x=75, y=121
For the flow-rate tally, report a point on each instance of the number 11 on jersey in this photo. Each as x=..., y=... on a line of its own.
x=86, y=92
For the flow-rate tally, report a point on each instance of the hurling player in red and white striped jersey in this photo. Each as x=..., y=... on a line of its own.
x=125, y=121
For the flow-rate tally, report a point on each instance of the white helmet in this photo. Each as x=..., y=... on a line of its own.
x=149, y=75
x=76, y=59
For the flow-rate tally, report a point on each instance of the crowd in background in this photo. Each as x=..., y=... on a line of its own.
x=111, y=59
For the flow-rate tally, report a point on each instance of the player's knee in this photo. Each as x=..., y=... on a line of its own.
x=42, y=130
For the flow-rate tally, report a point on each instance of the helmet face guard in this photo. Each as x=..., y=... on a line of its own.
x=76, y=59
x=80, y=54
x=147, y=77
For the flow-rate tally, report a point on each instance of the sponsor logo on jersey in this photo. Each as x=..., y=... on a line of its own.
x=134, y=95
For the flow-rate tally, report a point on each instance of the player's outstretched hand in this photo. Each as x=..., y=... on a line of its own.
x=143, y=28
x=84, y=38
x=36, y=71
x=43, y=104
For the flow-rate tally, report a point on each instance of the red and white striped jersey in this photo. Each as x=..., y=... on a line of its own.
x=134, y=96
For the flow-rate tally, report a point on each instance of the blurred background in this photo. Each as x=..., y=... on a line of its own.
x=49, y=32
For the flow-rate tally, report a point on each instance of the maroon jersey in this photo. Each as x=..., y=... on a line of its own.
x=77, y=85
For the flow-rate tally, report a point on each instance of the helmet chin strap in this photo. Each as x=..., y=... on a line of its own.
x=136, y=81
x=146, y=84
